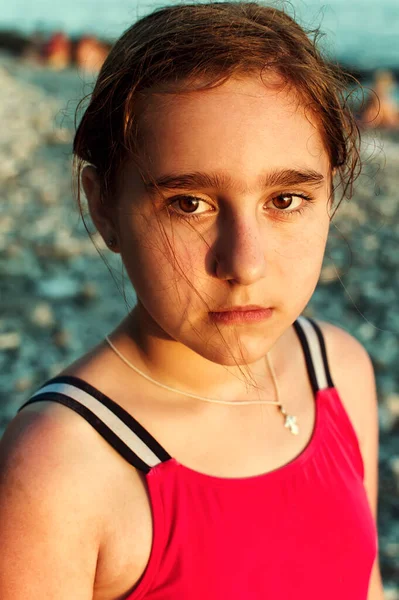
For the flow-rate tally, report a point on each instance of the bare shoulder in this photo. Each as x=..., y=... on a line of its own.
x=56, y=455
x=44, y=435
x=353, y=375
x=50, y=528
x=342, y=345
x=66, y=499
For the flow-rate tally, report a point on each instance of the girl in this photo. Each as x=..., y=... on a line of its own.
x=217, y=444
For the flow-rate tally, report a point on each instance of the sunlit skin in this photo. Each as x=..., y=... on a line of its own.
x=243, y=219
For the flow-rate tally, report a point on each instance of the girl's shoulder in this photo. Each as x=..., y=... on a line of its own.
x=47, y=513
x=49, y=449
x=61, y=486
x=48, y=442
x=340, y=343
x=353, y=375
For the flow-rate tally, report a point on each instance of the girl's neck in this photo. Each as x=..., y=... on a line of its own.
x=176, y=365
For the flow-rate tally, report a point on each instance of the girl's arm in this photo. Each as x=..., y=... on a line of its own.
x=49, y=511
x=353, y=374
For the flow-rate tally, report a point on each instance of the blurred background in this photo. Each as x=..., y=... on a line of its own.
x=58, y=298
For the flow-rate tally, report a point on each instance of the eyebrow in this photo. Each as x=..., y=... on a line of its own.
x=196, y=180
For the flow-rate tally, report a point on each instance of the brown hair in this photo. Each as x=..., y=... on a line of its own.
x=200, y=46
x=182, y=45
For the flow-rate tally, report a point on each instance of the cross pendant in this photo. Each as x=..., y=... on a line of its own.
x=291, y=424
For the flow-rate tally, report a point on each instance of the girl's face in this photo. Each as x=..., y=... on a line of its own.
x=242, y=217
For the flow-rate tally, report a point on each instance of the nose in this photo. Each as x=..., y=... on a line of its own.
x=240, y=250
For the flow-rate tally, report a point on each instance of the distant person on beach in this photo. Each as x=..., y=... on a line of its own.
x=58, y=51
x=218, y=444
x=381, y=109
x=90, y=54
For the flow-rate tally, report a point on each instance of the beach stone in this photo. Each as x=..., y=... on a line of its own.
x=10, y=341
x=370, y=242
x=8, y=168
x=392, y=404
x=14, y=250
x=371, y=289
x=366, y=331
x=388, y=420
x=23, y=384
x=43, y=315
x=6, y=224
x=62, y=338
x=391, y=593
x=66, y=247
x=392, y=549
x=329, y=273
x=386, y=423
x=88, y=291
x=61, y=287
x=394, y=464
x=48, y=197
x=388, y=208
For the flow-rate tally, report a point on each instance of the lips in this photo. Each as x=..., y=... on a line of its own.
x=244, y=308
x=241, y=314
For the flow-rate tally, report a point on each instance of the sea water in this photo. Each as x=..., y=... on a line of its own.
x=364, y=33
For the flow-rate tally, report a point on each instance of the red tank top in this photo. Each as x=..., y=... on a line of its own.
x=303, y=531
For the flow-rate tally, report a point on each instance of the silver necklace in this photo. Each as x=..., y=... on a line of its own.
x=289, y=421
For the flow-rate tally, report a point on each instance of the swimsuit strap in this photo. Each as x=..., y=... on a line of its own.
x=314, y=348
x=112, y=422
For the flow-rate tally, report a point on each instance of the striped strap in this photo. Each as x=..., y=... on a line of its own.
x=314, y=348
x=111, y=421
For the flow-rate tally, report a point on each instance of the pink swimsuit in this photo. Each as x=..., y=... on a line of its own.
x=301, y=532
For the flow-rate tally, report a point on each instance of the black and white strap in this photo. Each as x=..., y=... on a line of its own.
x=314, y=348
x=118, y=427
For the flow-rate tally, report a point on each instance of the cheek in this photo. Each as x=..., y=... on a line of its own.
x=163, y=265
x=173, y=254
x=302, y=258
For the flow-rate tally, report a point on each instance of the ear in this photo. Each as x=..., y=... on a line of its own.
x=99, y=212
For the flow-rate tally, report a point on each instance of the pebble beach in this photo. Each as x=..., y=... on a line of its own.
x=58, y=297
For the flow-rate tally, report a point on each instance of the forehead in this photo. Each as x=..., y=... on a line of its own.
x=242, y=128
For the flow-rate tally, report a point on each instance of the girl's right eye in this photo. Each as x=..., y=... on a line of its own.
x=189, y=205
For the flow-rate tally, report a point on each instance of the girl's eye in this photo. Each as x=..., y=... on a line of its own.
x=189, y=204
x=293, y=202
